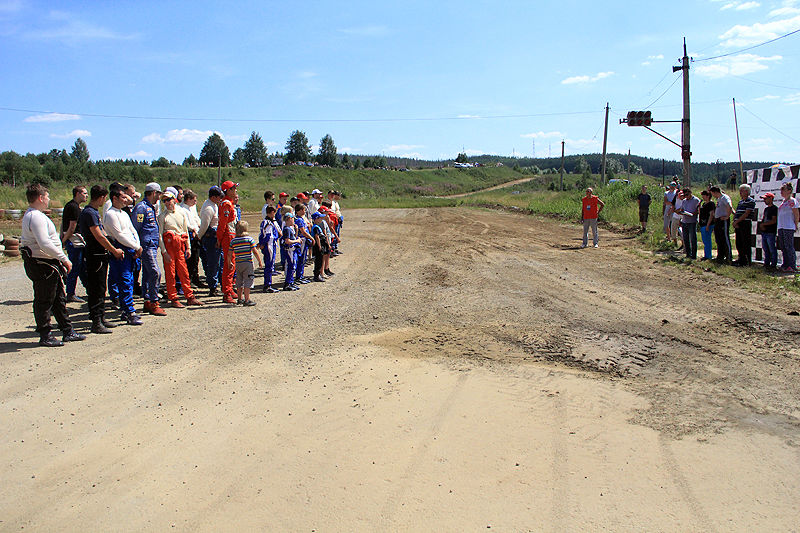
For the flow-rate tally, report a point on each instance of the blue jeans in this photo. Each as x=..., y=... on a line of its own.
x=212, y=258
x=706, y=234
x=291, y=257
x=690, y=239
x=770, y=250
x=300, y=263
x=786, y=239
x=75, y=256
x=151, y=275
x=120, y=271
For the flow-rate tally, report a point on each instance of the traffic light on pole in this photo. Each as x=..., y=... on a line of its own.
x=639, y=118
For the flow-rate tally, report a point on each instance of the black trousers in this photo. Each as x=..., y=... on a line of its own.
x=49, y=295
x=96, y=276
x=743, y=235
x=317, y=261
x=721, y=238
x=194, y=259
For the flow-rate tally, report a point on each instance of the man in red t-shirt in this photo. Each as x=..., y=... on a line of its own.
x=590, y=210
x=226, y=230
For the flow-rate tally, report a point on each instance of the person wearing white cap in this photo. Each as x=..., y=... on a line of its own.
x=314, y=203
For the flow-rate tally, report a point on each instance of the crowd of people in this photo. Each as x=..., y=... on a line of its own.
x=713, y=214
x=112, y=246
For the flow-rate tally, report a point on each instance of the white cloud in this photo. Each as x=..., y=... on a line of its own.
x=767, y=97
x=411, y=155
x=747, y=5
x=586, y=79
x=402, y=147
x=468, y=116
x=728, y=6
x=659, y=56
x=52, y=117
x=366, y=31
x=792, y=99
x=73, y=133
x=68, y=28
x=270, y=144
x=740, y=36
x=581, y=145
x=141, y=154
x=542, y=135
x=182, y=136
x=784, y=12
x=737, y=65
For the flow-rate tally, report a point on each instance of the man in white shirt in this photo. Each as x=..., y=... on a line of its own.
x=46, y=265
x=315, y=202
x=121, y=233
x=210, y=254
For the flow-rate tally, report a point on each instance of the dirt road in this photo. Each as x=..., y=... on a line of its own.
x=487, y=189
x=465, y=370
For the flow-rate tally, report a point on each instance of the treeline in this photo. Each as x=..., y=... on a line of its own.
x=616, y=166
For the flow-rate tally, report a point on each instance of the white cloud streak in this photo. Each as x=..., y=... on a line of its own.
x=586, y=79
x=52, y=117
x=542, y=135
x=182, y=136
x=737, y=65
x=73, y=133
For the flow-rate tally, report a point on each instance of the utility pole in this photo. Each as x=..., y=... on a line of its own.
x=739, y=146
x=605, y=141
x=219, y=169
x=629, y=164
x=686, y=153
x=561, y=187
x=663, y=172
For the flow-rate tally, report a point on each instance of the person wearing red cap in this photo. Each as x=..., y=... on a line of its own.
x=768, y=228
x=226, y=231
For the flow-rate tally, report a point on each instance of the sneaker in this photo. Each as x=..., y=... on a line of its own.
x=107, y=324
x=583, y=246
x=597, y=246
x=75, y=299
x=133, y=320
x=50, y=341
x=329, y=273
x=248, y=303
x=273, y=290
x=71, y=336
x=227, y=299
x=154, y=309
x=290, y=288
x=193, y=301
x=319, y=279
x=176, y=304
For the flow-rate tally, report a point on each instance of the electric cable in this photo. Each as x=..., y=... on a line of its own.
x=770, y=125
x=747, y=48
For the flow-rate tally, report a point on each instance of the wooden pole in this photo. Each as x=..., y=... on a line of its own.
x=562, y=166
x=605, y=143
x=739, y=146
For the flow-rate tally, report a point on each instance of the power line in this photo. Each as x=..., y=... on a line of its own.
x=665, y=92
x=770, y=125
x=281, y=120
x=765, y=83
x=746, y=49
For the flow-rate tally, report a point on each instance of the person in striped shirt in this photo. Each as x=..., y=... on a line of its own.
x=242, y=248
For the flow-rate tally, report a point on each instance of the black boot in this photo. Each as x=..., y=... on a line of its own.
x=98, y=327
x=50, y=341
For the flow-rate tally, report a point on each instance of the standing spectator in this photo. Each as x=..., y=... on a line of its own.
x=190, y=205
x=333, y=198
x=73, y=241
x=290, y=243
x=669, y=200
x=242, y=249
x=321, y=245
x=96, y=257
x=212, y=253
x=174, y=228
x=279, y=214
x=122, y=235
x=722, y=215
x=46, y=265
x=788, y=217
x=269, y=200
x=768, y=227
x=675, y=223
x=315, y=202
x=301, y=227
x=707, y=223
x=145, y=221
x=591, y=207
x=268, y=242
x=742, y=225
x=689, y=211
x=226, y=230
x=644, y=207
x=130, y=190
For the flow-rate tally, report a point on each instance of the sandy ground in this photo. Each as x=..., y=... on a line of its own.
x=465, y=370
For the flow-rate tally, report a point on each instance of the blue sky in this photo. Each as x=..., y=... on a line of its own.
x=417, y=79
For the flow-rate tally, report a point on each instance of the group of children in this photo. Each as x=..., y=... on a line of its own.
x=306, y=228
